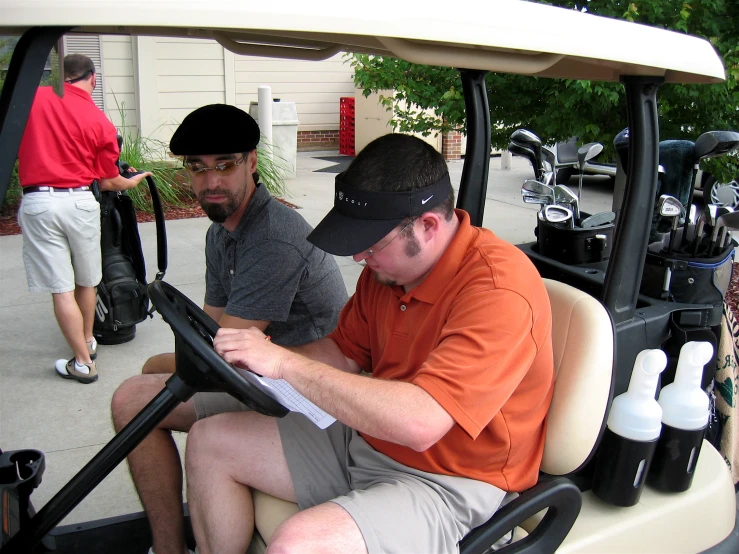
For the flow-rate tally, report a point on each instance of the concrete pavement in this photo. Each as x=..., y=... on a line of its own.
x=70, y=422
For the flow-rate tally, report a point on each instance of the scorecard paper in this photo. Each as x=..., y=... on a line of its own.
x=285, y=394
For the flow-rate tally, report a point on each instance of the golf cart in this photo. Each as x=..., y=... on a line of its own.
x=601, y=321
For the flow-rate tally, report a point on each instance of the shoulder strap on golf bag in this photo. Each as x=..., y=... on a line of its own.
x=122, y=298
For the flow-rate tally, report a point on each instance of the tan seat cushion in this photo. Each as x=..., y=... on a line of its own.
x=582, y=340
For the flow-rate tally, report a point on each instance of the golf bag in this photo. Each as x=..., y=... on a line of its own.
x=122, y=298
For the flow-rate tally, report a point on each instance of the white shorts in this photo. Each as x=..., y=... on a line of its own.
x=61, y=240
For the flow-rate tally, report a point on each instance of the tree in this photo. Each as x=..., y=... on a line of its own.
x=557, y=109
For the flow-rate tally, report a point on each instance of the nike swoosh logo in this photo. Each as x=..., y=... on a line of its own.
x=429, y=198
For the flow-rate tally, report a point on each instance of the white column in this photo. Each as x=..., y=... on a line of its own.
x=506, y=159
x=265, y=117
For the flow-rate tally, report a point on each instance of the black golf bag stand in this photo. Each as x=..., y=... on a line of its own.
x=122, y=299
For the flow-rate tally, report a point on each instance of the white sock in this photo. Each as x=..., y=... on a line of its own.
x=81, y=368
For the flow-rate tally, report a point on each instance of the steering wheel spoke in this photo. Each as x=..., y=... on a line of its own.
x=197, y=363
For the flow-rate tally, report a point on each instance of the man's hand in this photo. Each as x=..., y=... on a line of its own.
x=251, y=349
x=122, y=183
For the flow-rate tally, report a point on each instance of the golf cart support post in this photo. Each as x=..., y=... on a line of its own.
x=503, y=37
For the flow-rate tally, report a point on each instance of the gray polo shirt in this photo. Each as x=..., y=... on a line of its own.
x=266, y=270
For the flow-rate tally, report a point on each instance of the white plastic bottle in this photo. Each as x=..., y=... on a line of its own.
x=632, y=430
x=685, y=415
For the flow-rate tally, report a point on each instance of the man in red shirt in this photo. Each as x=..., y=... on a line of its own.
x=68, y=143
x=454, y=326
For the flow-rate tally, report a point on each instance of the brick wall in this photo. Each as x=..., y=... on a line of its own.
x=318, y=140
x=451, y=145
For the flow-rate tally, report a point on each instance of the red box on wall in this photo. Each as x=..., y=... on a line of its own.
x=346, y=125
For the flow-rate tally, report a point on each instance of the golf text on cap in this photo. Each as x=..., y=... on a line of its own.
x=365, y=204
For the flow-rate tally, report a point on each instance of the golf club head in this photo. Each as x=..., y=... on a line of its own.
x=669, y=206
x=727, y=219
x=531, y=198
x=710, y=214
x=596, y=220
x=588, y=152
x=716, y=143
x=564, y=195
x=731, y=220
x=560, y=216
x=525, y=136
x=533, y=186
x=524, y=151
x=719, y=224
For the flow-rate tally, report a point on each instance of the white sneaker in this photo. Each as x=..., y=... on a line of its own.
x=151, y=551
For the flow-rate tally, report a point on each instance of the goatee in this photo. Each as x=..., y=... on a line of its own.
x=219, y=212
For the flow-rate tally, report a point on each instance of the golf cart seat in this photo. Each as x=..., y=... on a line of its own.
x=582, y=336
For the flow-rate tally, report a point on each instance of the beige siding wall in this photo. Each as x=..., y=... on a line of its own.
x=120, y=89
x=163, y=79
x=190, y=74
x=315, y=87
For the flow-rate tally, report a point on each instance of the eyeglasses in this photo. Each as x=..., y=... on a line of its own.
x=224, y=168
x=372, y=252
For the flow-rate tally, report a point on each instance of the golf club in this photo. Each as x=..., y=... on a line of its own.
x=723, y=214
x=564, y=195
x=709, y=217
x=532, y=186
x=596, y=220
x=670, y=207
x=526, y=152
x=526, y=138
x=560, y=216
x=585, y=153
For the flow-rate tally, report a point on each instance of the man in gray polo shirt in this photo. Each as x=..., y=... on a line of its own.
x=260, y=272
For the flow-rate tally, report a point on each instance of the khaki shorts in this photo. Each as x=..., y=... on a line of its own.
x=212, y=403
x=398, y=509
x=61, y=240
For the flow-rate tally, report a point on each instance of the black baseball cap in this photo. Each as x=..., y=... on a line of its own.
x=360, y=218
x=215, y=129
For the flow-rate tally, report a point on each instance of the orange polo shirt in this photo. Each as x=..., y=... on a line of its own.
x=475, y=335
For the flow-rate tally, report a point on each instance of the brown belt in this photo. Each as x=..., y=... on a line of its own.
x=27, y=190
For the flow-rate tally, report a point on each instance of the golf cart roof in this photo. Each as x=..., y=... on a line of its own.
x=508, y=36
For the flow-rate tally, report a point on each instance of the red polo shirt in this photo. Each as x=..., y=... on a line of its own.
x=476, y=335
x=68, y=142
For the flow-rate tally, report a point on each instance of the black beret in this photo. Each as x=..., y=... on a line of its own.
x=215, y=129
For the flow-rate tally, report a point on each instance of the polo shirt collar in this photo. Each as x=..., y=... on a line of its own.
x=258, y=200
x=435, y=283
x=77, y=91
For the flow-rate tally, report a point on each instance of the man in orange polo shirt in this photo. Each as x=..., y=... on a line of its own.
x=68, y=143
x=454, y=327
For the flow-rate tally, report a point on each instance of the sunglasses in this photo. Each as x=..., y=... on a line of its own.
x=224, y=168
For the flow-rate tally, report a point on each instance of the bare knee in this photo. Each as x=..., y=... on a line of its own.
x=160, y=363
x=202, y=442
x=291, y=538
x=131, y=397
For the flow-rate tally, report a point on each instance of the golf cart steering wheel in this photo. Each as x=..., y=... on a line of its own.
x=198, y=364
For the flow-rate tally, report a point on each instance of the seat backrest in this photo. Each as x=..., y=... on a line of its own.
x=582, y=341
